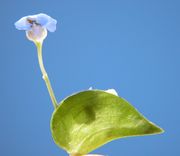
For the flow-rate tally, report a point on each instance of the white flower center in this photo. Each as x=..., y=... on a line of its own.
x=37, y=33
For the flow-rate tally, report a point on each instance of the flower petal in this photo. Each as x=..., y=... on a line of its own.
x=112, y=91
x=47, y=22
x=51, y=26
x=42, y=19
x=22, y=24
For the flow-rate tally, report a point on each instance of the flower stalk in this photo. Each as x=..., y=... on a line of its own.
x=36, y=27
x=45, y=75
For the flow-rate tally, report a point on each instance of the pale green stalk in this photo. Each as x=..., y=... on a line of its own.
x=44, y=74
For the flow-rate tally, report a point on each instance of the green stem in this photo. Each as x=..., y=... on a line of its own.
x=44, y=74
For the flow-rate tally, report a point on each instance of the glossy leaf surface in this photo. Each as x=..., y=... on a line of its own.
x=89, y=119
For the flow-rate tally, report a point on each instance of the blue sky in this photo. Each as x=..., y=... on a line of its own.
x=132, y=46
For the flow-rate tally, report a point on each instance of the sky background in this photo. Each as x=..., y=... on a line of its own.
x=132, y=46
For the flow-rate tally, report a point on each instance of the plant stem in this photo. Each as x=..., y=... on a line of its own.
x=44, y=74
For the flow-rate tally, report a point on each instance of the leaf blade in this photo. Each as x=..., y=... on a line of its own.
x=89, y=119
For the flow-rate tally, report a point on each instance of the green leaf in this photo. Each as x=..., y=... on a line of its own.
x=89, y=119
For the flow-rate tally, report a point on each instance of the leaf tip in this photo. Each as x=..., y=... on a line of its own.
x=155, y=129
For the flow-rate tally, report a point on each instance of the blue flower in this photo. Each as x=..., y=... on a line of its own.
x=36, y=26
